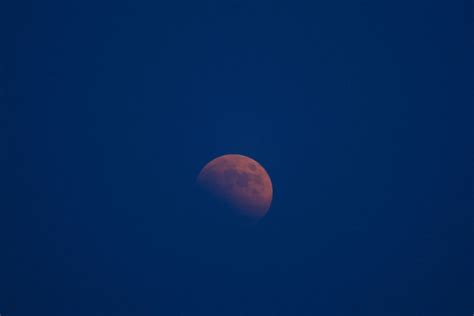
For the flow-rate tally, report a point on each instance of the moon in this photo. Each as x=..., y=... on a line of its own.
x=240, y=183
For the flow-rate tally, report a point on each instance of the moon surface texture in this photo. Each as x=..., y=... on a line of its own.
x=240, y=183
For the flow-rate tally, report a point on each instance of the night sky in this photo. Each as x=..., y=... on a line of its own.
x=360, y=111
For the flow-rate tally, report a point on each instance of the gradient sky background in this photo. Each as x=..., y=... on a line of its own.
x=361, y=112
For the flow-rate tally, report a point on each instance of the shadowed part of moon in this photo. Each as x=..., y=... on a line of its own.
x=240, y=183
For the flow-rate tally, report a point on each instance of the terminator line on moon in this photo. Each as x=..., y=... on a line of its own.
x=241, y=183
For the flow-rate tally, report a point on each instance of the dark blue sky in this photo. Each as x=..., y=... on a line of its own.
x=361, y=112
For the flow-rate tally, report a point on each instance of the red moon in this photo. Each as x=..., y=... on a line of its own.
x=240, y=183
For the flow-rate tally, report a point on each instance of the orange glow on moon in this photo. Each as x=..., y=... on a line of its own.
x=241, y=183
